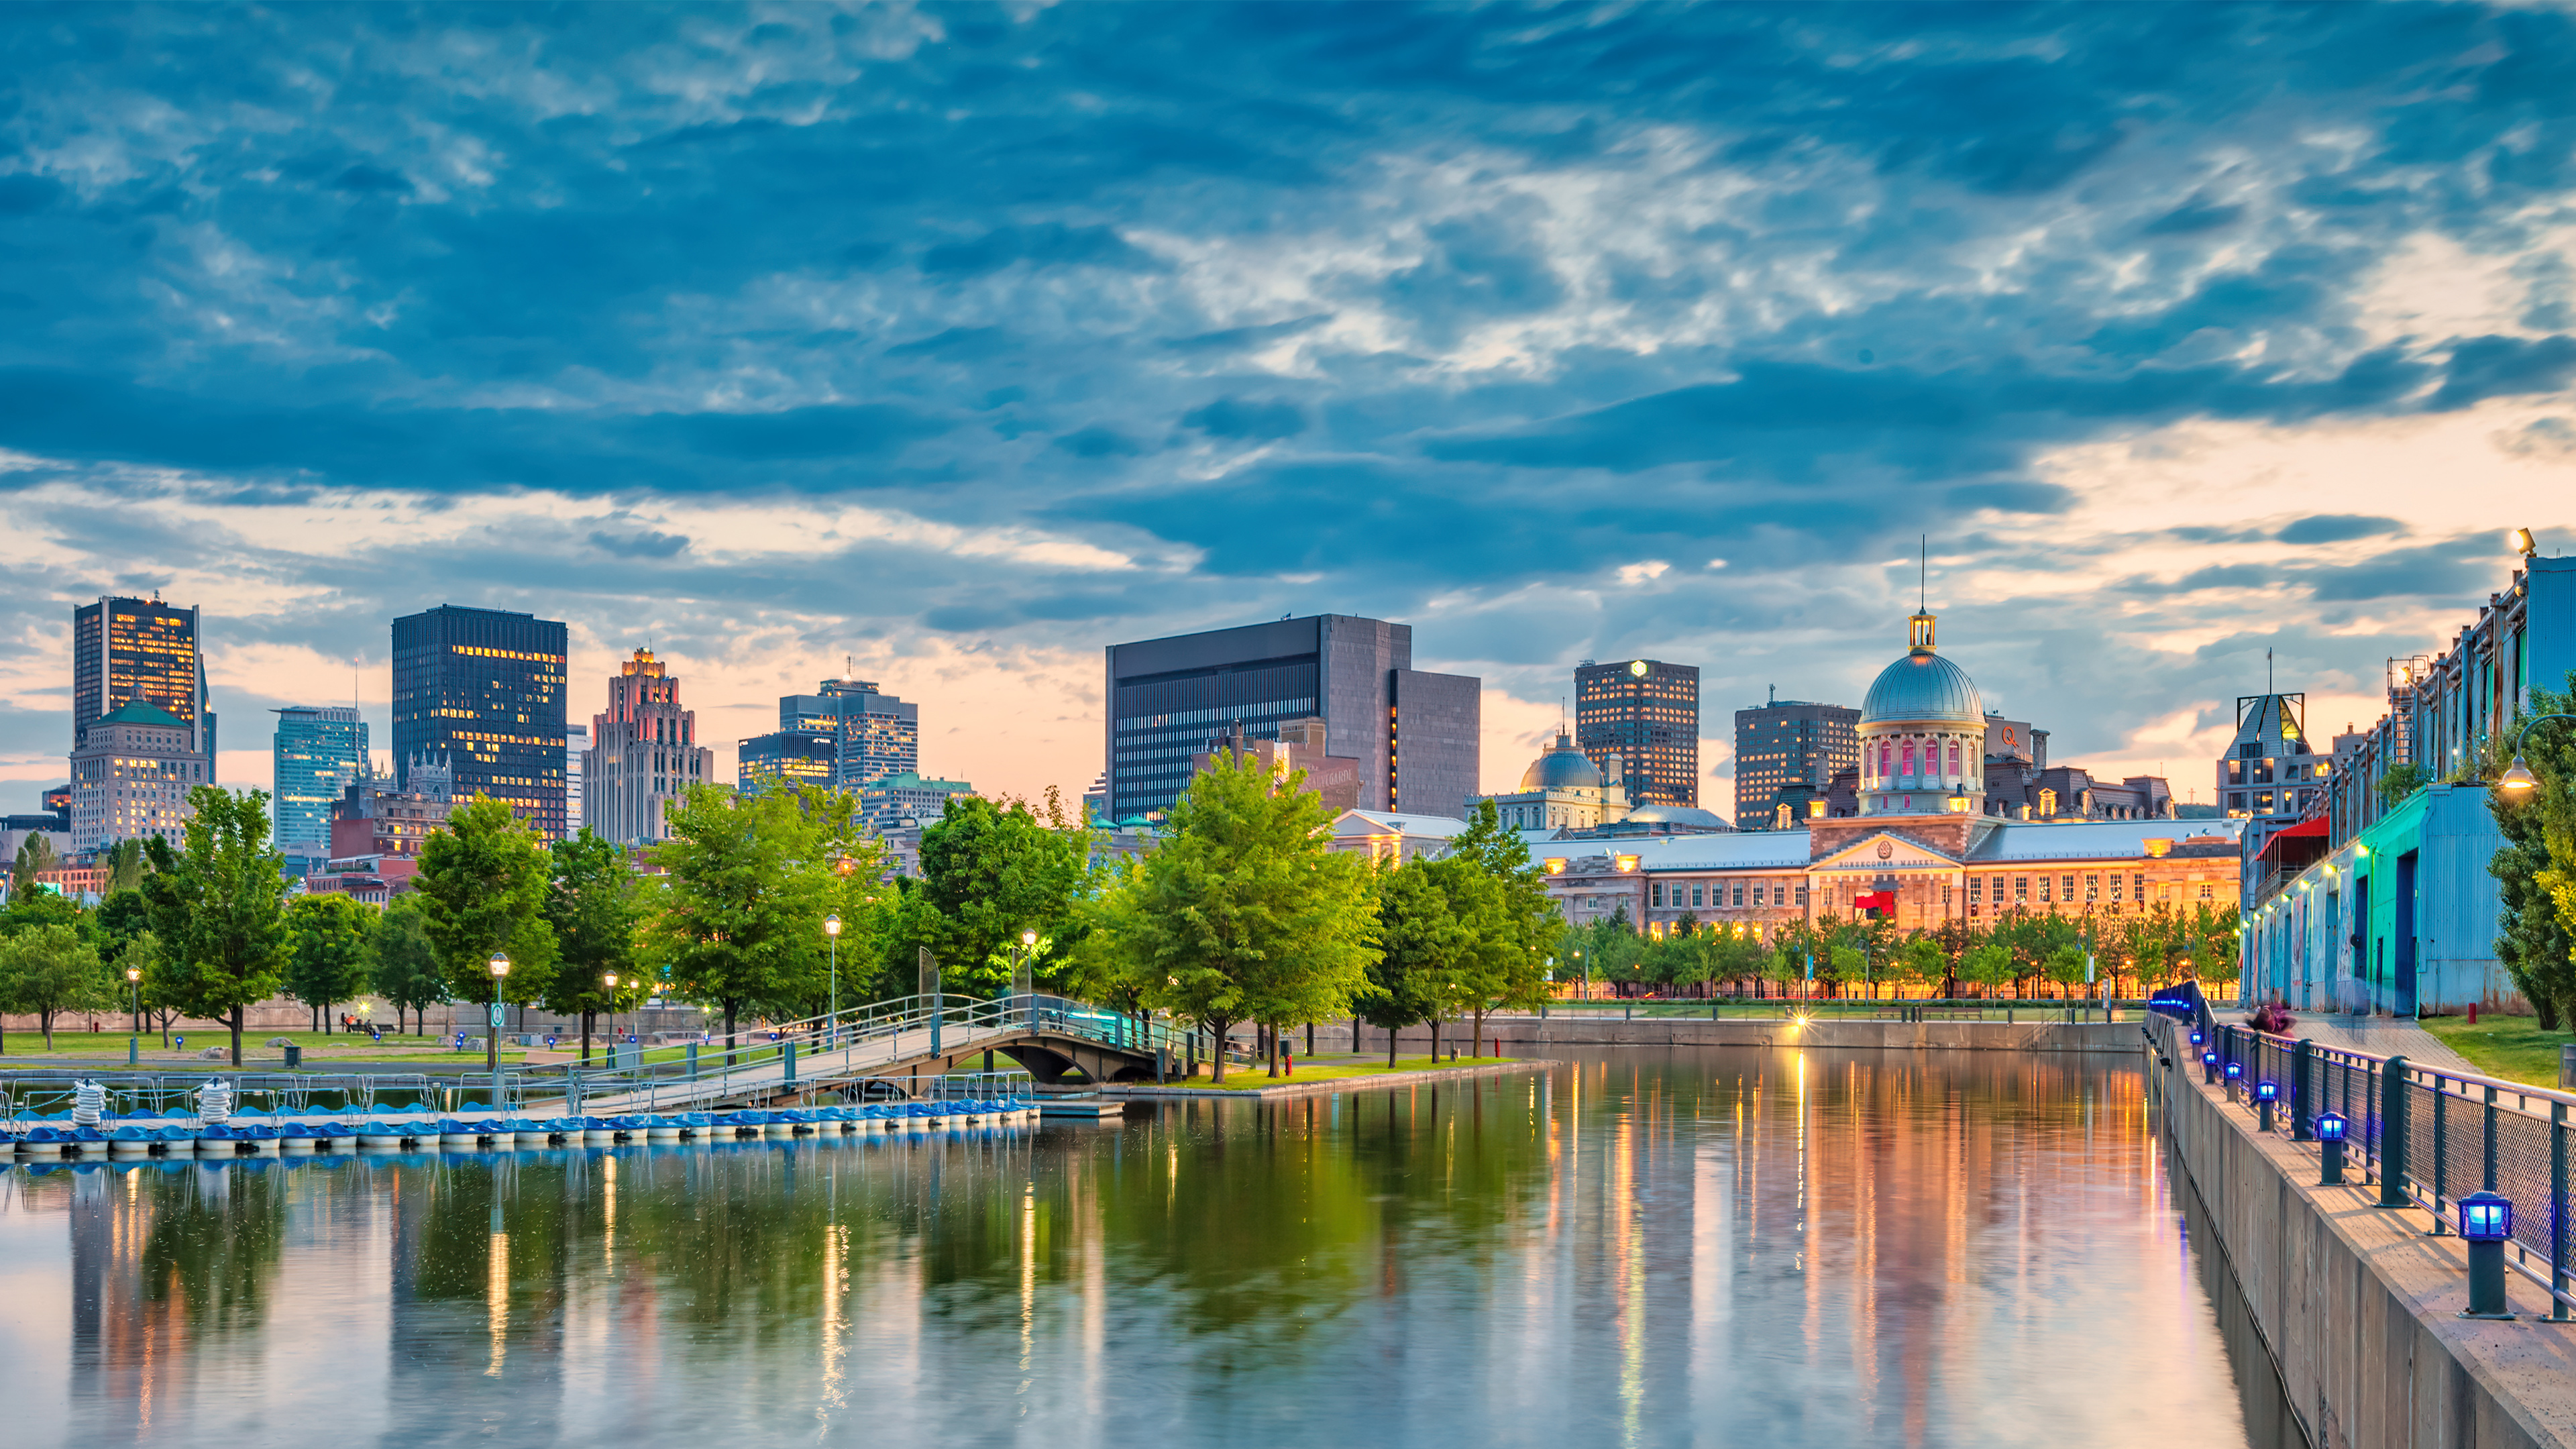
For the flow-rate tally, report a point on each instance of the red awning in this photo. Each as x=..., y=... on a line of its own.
x=2312, y=827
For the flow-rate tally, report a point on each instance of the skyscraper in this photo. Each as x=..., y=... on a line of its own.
x=1647, y=712
x=319, y=752
x=1412, y=735
x=576, y=801
x=483, y=689
x=1789, y=742
x=131, y=774
x=645, y=754
x=874, y=734
x=126, y=649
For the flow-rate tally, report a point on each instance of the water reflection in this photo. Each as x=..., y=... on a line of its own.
x=1710, y=1245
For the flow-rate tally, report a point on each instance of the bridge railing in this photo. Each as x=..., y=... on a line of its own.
x=2427, y=1133
x=849, y=1043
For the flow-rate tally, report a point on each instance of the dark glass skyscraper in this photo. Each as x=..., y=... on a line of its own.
x=1647, y=711
x=1789, y=742
x=1413, y=735
x=127, y=649
x=484, y=688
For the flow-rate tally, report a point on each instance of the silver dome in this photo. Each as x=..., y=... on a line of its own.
x=1562, y=768
x=1923, y=687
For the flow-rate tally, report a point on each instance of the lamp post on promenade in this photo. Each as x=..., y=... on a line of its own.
x=832, y=934
x=492, y=1035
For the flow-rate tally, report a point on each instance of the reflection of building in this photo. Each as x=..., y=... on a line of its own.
x=1410, y=736
x=1789, y=744
x=131, y=775
x=645, y=754
x=484, y=690
x=318, y=753
x=1914, y=839
x=1645, y=713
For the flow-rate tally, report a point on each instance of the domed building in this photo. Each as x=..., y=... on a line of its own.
x=1922, y=734
x=1564, y=790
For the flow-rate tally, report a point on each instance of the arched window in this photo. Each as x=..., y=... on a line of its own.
x=1909, y=758
x=1954, y=757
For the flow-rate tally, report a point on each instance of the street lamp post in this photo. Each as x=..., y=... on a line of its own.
x=134, y=1043
x=610, y=980
x=492, y=1035
x=832, y=934
x=2519, y=779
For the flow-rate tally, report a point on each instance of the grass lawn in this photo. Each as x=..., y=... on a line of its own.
x=24, y=1050
x=2511, y=1047
x=1243, y=1078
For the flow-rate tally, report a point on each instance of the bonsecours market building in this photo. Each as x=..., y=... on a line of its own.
x=1922, y=847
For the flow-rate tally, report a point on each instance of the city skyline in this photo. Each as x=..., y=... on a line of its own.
x=2164, y=385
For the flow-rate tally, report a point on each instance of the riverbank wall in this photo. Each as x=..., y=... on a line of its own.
x=2358, y=1305
x=1516, y=1035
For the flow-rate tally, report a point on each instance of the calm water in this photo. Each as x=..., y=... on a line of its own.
x=1701, y=1247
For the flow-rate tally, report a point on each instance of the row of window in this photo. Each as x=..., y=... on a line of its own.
x=2095, y=886
x=1720, y=895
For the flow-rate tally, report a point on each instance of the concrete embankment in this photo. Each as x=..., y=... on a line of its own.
x=2357, y=1305
x=1522, y=1035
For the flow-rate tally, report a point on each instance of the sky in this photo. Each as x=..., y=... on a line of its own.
x=947, y=345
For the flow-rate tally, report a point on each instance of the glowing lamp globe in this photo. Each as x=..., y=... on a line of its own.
x=2486, y=1217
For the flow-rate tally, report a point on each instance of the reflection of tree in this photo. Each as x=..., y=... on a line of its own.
x=213, y=1241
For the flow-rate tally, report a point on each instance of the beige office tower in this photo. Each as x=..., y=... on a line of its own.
x=644, y=754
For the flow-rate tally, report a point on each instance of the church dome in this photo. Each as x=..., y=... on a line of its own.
x=1923, y=687
x=1562, y=768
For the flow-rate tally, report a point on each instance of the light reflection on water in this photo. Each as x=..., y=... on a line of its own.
x=1700, y=1246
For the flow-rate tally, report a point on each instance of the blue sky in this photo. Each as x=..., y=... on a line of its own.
x=960, y=342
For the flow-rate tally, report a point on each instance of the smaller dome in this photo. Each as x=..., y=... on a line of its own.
x=1562, y=768
x=1687, y=816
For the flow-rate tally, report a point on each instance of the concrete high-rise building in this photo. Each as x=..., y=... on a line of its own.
x=907, y=799
x=127, y=649
x=795, y=757
x=483, y=689
x=131, y=774
x=576, y=807
x=319, y=752
x=2271, y=776
x=646, y=754
x=874, y=734
x=1646, y=712
x=1412, y=735
x=1789, y=743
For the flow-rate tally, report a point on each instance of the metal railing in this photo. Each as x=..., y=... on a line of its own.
x=2425, y=1136
x=28, y=1095
x=1834, y=1008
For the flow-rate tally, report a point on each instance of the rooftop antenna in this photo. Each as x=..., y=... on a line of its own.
x=2267, y=673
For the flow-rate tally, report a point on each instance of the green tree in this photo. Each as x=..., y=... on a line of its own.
x=1987, y=965
x=2536, y=933
x=591, y=906
x=1419, y=941
x=1242, y=913
x=739, y=924
x=35, y=856
x=2065, y=966
x=327, y=956
x=990, y=870
x=219, y=908
x=404, y=965
x=1520, y=919
x=1918, y=961
x=482, y=892
x=2399, y=781
x=48, y=970
x=125, y=865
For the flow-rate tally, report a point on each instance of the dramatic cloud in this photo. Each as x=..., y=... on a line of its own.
x=949, y=344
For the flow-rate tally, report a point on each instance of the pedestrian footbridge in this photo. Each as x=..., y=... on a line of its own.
x=893, y=1048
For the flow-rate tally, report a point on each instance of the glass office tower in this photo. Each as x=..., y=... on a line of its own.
x=483, y=690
